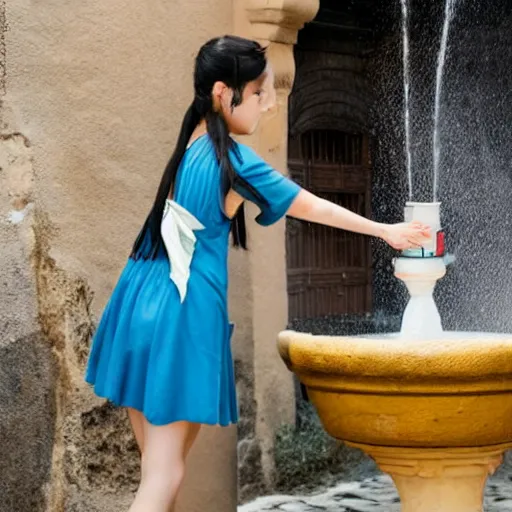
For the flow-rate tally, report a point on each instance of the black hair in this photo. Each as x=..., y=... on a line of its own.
x=234, y=61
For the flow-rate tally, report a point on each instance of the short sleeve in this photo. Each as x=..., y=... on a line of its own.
x=261, y=184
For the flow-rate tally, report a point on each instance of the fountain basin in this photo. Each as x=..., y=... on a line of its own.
x=390, y=391
x=433, y=412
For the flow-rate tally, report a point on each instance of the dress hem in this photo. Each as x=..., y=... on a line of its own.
x=159, y=423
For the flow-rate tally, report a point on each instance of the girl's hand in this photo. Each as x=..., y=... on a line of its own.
x=406, y=235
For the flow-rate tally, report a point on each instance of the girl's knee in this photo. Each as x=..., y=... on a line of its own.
x=164, y=476
x=159, y=487
x=176, y=474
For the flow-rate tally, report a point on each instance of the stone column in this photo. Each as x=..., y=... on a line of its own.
x=265, y=387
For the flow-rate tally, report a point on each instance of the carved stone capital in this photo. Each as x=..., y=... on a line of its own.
x=444, y=479
x=279, y=21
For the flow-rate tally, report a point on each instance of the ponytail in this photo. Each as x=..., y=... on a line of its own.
x=152, y=224
x=223, y=145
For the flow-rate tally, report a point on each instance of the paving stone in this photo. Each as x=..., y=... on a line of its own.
x=297, y=506
x=356, y=505
x=376, y=494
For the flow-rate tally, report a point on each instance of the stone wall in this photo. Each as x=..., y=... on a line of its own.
x=92, y=95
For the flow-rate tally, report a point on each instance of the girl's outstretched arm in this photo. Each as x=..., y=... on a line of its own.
x=309, y=207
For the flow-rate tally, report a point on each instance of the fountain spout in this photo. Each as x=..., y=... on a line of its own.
x=420, y=269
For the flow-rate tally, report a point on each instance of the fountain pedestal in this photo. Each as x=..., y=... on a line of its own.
x=448, y=480
x=420, y=269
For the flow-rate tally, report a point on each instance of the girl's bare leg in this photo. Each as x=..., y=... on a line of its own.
x=163, y=464
x=192, y=436
x=137, y=422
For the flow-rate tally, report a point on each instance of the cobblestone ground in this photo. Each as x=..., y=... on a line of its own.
x=372, y=495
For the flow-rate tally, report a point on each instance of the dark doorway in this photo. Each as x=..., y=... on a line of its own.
x=330, y=270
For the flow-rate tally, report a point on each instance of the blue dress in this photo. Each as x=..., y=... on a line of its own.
x=170, y=359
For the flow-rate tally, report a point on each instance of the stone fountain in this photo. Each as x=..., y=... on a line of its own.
x=433, y=408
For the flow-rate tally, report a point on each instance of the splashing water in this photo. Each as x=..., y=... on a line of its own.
x=448, y=16
x=405, y=29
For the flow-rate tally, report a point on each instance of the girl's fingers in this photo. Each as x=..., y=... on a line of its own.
x=413, y=242
x=418, y=240
x=420, y=234
x=418, y=226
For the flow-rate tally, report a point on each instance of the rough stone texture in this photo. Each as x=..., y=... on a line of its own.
x=27, y=377
x=250, y=473
x=18, y=293
x=27, y=365
x=109, y=450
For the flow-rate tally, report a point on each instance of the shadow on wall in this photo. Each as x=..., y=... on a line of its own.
x=27, y=380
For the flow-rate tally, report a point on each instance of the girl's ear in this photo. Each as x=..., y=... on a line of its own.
x=220, y=93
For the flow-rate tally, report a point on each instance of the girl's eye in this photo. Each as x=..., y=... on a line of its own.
x=258, y=93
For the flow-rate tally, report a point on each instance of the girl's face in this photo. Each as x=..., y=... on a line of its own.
x=258, y=97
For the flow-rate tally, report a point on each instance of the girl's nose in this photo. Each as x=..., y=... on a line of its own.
x=269, y=107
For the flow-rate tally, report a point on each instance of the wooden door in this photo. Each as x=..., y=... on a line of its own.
x=329, y=270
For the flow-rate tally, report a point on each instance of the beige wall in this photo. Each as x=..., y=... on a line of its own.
x=98, y=89
x=92, y=97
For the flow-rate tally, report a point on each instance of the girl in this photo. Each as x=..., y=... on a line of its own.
x=162, y=347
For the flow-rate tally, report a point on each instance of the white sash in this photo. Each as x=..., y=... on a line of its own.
x=177, y=229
